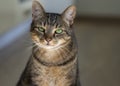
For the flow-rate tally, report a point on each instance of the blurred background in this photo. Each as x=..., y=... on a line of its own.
x=97, y=28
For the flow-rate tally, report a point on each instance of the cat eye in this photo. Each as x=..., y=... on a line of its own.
x=59, y=31
x=41, y=29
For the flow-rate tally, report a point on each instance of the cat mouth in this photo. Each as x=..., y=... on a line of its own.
x=49, y=47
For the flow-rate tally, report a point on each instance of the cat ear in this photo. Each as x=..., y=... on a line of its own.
x=69, y=14
x=37, y=10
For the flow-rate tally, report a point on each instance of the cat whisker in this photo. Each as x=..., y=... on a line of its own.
x=31, y=46
x=34, y=44
x=38, y=47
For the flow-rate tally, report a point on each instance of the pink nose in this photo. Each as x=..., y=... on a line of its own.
x=48, y=39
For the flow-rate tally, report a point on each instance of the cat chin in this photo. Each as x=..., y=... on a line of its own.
x=49, y=47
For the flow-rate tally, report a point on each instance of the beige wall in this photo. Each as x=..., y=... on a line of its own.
x=99, y=7
x=12, y=13
x=56, y=6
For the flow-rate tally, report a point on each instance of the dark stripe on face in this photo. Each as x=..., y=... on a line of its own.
x=53, y=19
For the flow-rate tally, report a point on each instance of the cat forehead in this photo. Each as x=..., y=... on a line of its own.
x=50, y=19
x=52, y=16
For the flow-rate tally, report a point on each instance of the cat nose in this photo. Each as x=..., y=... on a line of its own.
x=48, y=39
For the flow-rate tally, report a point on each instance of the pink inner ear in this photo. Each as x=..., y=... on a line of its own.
x=69, y=15
x=71, y=12
x=37, y=10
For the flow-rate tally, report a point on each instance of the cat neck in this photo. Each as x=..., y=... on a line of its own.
x=59, y=57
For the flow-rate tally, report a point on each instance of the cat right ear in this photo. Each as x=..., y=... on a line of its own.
x=37, y=10
x=69, y=14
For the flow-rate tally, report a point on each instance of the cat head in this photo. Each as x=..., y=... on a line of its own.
x=50, y=30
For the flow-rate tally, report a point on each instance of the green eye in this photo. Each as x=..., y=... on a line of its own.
x=41, y=29
x=59, y=31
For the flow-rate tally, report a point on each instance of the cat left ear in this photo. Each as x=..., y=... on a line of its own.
x=37, y=10
x=69, y=14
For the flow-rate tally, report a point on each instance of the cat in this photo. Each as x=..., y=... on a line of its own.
x=54, y=60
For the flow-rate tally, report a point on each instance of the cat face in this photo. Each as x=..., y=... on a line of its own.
x=49, y=30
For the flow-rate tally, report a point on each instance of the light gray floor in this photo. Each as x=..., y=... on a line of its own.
x=99, y=54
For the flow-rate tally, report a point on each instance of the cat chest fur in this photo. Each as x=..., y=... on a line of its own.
x=55, y=76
